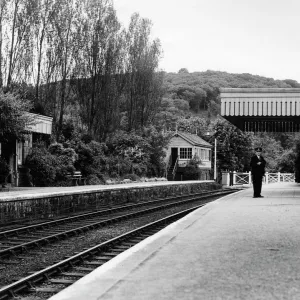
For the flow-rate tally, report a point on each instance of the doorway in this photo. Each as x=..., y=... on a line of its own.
x=174, y=154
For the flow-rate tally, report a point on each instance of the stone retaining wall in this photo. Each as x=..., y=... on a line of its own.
x=53, y=206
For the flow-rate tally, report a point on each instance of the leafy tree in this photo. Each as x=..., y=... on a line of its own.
x=286, y=162
x=233, y=146
x=143, y=89
x=3, y=13
x=183, y=70
x=13, y=117
x=158, y=142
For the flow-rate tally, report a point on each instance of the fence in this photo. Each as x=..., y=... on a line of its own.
x=237, y=178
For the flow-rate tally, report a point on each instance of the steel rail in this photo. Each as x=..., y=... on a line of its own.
x=14, y=250
x=29, y=282
x=70, y=219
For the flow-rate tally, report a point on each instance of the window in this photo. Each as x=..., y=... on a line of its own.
x=185, y=153
x=20, y=152
x=205, y=154
x=202, y=154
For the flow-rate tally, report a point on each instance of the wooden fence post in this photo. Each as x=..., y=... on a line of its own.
x=234, y=177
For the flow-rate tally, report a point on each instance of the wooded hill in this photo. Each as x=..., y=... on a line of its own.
x=197, y=93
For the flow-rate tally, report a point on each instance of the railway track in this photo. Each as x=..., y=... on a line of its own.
x=19, y=240
x=51, y=280
x=62, y=274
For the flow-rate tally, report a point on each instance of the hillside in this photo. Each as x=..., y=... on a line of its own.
x=197, y=92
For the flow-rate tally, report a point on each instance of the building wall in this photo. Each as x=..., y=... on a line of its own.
x=179, y=142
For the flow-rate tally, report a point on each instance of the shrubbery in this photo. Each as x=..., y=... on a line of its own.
x=42, y=166
x=4, y=170
x=192, y=170
x=50, y=166
x=124, y=155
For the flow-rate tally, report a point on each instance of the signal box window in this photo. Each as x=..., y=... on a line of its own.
x=186, y=153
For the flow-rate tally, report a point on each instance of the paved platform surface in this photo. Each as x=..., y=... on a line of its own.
x=238, y=247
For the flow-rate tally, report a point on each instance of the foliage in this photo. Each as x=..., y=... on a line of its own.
x=233, y=146
x=201, y=89
x=50, y=166
x=4, y=170
x=42, y=166
x=143, y=84
x=93, y=180
x=286, y=162
x=158, y=143
x=65, y=158
x=272, y=150
x=91, y=159
x=13, y=117
x=297, y=162
x=192, y=170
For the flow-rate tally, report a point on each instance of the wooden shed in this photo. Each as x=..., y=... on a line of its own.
x=183, y=147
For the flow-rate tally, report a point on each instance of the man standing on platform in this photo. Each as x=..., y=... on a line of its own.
x=257, y=165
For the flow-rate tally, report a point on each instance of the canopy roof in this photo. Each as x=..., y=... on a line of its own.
x=42, y=124
x=262, y=109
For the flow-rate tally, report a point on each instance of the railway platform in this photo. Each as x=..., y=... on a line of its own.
x=37, y=192
x=237, y=247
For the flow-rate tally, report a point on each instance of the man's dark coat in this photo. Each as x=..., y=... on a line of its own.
x=258, y=171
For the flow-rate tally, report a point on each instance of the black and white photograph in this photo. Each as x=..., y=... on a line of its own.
x=149, y=150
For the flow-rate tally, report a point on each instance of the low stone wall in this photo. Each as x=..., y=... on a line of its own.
x=51, y=206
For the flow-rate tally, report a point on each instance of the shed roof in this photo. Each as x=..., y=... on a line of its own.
x=193, y=139
x=42, y=124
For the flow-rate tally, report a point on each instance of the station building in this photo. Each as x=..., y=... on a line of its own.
x=16, y=151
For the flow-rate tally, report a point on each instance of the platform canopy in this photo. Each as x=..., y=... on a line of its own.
x=262, y=109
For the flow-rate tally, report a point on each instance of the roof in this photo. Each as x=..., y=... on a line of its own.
x=262, y=109
x=193, y=139
x=42, y=124
x=259, y=90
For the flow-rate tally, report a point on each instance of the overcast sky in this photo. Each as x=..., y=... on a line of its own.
x=260, y=37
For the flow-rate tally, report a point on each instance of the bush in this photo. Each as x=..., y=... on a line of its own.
x=192, y=171
x=93, y=180
x=4, y=170
x=50, y=167
x=42, y=166
x=90, y=158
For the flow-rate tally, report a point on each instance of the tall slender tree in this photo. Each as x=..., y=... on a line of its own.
x=143, y=83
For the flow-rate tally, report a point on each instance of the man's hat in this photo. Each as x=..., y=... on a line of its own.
x=258, y=149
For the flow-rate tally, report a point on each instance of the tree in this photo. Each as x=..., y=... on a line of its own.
x=234, y=147
x=21, y=16
x=13, y=117
x=183, y=70
x=3, y=10
x=143, y=90
x=98, y=78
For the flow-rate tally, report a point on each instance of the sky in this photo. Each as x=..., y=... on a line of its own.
x=260, y=37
